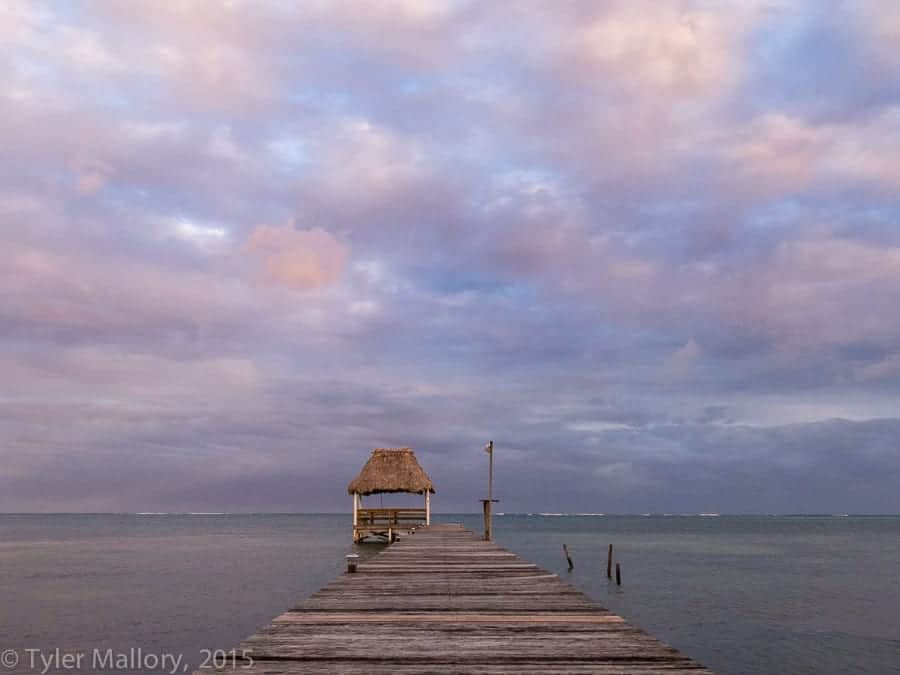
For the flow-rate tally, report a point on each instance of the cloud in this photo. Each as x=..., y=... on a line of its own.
x=822, y=291
x=786, y=155
x=297, y=259
x=366, y=167
x=780, y=152
x=683, y=358
x=653, y=254
x=80, y=294
x=683, y=51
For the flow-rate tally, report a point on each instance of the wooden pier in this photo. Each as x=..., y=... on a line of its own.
x=443, y=600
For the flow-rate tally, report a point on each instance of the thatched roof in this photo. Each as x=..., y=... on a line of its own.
x=391, y=470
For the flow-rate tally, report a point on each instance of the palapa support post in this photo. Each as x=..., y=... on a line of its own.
x=568, y=558
x=609, y=559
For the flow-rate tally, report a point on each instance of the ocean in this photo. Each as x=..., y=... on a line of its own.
x=741, y=594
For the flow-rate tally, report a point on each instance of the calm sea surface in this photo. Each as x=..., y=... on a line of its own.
x=740, y=594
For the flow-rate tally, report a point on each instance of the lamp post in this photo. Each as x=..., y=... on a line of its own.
x=486, y=503
x=489, y=449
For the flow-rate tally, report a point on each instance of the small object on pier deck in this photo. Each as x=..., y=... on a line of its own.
x=618, y=575
x=568, y=558
x=609, y=563
x=352, y=559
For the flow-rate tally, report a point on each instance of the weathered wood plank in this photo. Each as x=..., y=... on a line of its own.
x=438, y=602
x=434, y=617
x=375, y=667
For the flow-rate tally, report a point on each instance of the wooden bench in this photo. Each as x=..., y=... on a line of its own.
x=386, y=522
x=390, y=516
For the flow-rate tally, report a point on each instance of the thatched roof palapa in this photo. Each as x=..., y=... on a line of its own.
x=391, y=470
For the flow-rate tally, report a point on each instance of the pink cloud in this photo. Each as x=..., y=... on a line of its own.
x=803, y=269
x=297, y=259
x=816, y=292
x=779, y=153
x=15, y=17
x=416, y=33
x=130, y=381
x=647, y=83
x=879, y=24
x=364, y=165
x=211, y=54
x=678, y=51
x=82, y=293
x=91, y=176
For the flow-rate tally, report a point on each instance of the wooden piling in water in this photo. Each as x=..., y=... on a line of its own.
x=609, y=559
x=568, y=558
x=446, y=601
x=618, y=575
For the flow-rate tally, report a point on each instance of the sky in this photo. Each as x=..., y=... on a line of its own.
x=652, y=250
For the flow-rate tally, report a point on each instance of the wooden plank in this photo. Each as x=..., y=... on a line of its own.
x=438, y=601
x=443, y=600
x=438, y=617
x=559, y=667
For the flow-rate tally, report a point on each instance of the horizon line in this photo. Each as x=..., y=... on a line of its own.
x=820, y=514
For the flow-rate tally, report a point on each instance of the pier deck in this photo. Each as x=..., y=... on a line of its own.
x=443, y=600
